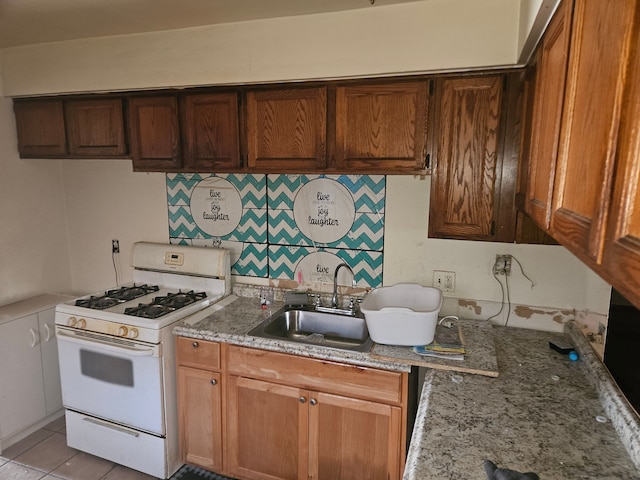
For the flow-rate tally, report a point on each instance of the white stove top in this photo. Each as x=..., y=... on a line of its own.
x=208, y=276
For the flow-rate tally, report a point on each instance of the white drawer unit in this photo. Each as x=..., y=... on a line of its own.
x=30, y=396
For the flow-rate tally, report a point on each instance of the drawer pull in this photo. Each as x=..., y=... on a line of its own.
x=194, y=344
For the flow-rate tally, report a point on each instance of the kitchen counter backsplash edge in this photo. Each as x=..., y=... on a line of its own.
x=624, y=419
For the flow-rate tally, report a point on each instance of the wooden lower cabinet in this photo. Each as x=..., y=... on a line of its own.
x=199, y=384
x=351, y=438
x=200, y=417
x=279, y=427
x=252, y=414
x=267, y=430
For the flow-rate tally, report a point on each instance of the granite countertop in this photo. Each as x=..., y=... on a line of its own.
x=539, y=414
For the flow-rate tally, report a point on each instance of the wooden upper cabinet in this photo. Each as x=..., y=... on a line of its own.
x=599, y=50
x=211, y=132
x=381, y=127
x=622, y=248
x=71, y=128
x=286, y=129
x=95, y=127
x=463, y=180
x=40, y=126
x=154, y=133
x=546, y=115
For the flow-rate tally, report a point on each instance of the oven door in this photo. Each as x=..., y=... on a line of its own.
x=114, y=379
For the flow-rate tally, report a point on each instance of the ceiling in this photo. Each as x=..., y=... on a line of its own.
x=24, y=22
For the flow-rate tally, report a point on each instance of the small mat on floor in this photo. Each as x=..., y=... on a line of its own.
x=187, y=472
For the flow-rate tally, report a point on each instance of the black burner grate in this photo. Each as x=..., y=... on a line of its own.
x=116, y=296
x=163, y=305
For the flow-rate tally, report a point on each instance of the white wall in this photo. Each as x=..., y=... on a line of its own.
x=528, y=12
x=106, y=200
x=34, y=257
x=410, y=37
x=561, y=280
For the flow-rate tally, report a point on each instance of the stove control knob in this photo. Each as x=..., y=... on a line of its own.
x=82, y=323
x=122, y=331
x=133, y=333
x=71, y=321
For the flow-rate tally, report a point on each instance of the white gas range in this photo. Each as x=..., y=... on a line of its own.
x=117, y=355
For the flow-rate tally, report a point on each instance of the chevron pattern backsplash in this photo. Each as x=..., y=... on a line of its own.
x=296, y=227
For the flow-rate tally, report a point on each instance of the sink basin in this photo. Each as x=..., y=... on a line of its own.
x=316, y=328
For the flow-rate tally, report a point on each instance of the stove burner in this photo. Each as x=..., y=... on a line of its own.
x=97, y=303
x=129, y=293
x=164, y=305
x=116, y=296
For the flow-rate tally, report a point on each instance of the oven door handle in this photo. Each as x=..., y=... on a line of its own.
x=139, y=352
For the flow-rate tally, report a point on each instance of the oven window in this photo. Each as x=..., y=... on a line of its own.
x=107, y=368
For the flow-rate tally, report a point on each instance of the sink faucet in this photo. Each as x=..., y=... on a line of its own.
x=334, y=297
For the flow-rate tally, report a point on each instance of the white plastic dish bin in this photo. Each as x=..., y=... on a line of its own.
x=402, y=314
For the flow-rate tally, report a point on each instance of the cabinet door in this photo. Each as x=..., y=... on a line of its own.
x=267, y=430
x=211, y=132
x=382, y=127
x=200, y=417
x=597, y=62
x=40, y=126
x=463, y=180
x=353, y=439
x=95, y=127
x=546, y=115
x=286, y=129
x=154, y=133
x=21, y=396
x=622, y=248
x=50, y=368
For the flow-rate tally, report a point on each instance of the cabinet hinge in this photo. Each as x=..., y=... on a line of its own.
x=427, y=161
x=492, y=228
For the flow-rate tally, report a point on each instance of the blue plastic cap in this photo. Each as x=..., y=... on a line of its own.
x=573, y=356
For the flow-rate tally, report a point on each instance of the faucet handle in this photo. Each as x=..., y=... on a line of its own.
x=316, y=298
x=354, y=302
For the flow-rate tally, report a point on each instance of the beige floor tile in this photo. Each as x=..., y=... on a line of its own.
x=124, y=473
x=56, y=425
x=13, y=471
x=83, y=466
x=48, y=454
x=25, y=444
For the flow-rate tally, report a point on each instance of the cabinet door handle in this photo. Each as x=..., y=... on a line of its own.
x=303, y=399
x=47, y=331
x=313, y=401
x=214, y=381
x=34, y=338
x=194, y=344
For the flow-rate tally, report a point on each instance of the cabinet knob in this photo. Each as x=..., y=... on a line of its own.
x=214, y=381
x=194, y=344
x=313, y=401
x=303, y=399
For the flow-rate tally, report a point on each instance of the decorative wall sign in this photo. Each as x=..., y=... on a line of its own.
x=324, y=210
x=216, y=206
x=285, y=225
x=319, y=267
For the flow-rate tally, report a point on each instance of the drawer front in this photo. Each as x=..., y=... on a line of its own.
x=332, y=377
x=196, y=353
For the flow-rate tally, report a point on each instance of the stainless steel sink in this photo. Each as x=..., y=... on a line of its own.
x=316, y=328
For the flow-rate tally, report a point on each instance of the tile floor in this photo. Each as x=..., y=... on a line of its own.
x=44, y=455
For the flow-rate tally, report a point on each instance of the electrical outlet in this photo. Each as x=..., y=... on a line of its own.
x=115, y=246
x=502, y=266
x=445, y=281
